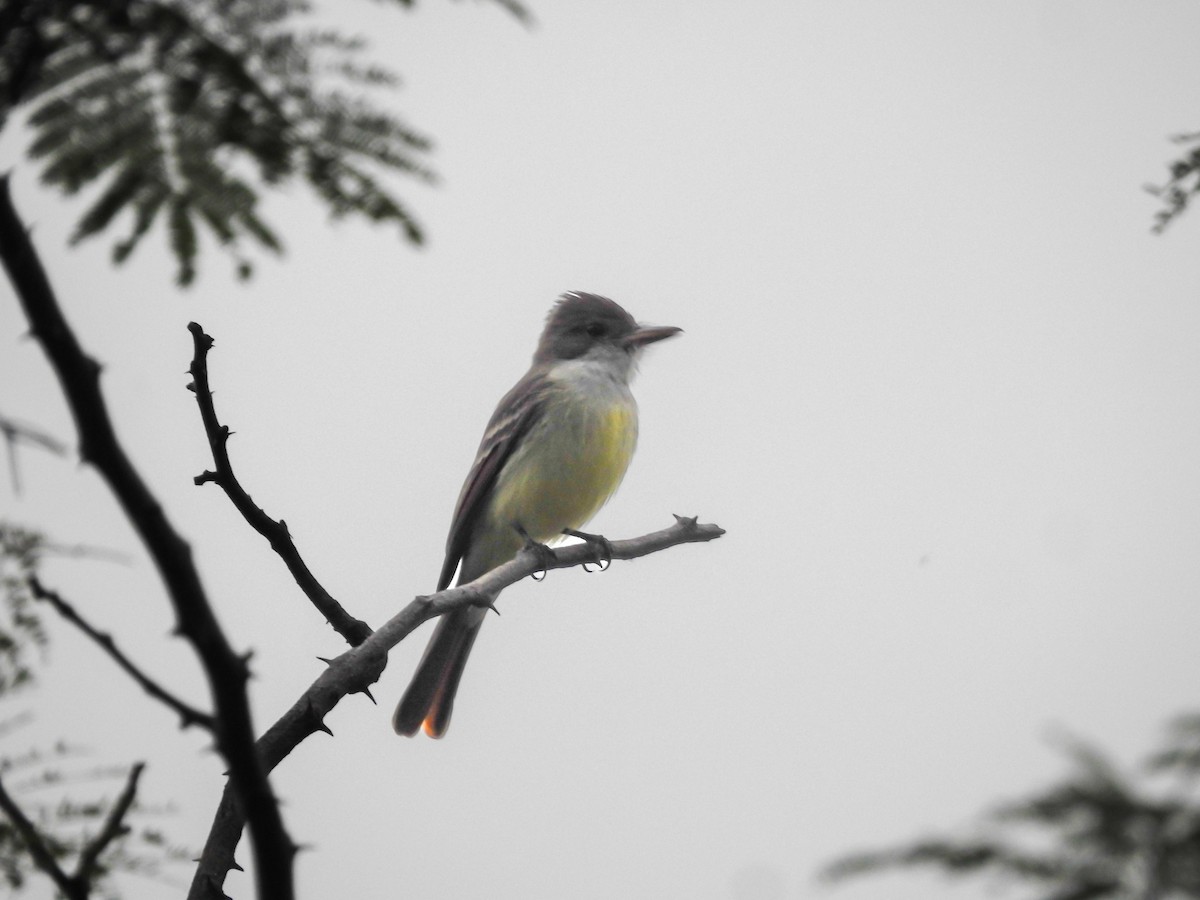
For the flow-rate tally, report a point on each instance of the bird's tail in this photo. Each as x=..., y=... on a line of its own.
x=429, y=699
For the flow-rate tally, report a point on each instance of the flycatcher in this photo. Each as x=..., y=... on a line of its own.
x=554, y=451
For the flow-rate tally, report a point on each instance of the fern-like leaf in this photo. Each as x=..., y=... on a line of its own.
x=168, y=104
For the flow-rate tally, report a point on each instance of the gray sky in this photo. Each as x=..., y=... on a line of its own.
x=938, y=382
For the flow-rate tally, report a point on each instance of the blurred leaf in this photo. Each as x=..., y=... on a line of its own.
x=38, y=781
x=1177, y=192
x=21, y=630
x=196, y=107
x=1097, y=833
x=1182, y=751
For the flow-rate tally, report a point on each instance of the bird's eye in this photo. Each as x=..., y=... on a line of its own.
x=595, y=329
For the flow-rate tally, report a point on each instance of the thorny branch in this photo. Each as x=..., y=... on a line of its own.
x=226, y=670
x=188, y=715
x=355, y=631
x=357, y=669
x=248, y=798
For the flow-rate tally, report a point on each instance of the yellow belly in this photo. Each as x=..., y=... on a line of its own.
x=567, y=468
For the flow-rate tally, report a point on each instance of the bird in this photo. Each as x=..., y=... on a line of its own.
x=553, y=452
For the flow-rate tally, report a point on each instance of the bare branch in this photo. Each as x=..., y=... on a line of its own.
x=79, y=378
x=114, y=827
x=355, y=631
x=188, y=715
x=14, y=432
x=43, y=858
x=484, y=591
x=84, y=551
x=357, y=669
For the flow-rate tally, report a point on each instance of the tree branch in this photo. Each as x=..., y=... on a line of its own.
x=14, y=432
x=79, y=378
x=485, y=590
x=360, y=667
x=114, y=827
x=355, y=631
x=42, y=856
x=79, y=885
x=188, y=715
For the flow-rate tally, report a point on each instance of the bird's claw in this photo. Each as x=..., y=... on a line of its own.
x=545, y=554
x=600, y=545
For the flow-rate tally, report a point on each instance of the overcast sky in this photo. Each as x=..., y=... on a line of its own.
x=939, y=382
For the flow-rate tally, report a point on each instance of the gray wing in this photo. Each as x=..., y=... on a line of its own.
x=516, y=413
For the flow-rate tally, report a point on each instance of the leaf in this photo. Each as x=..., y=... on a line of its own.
x=1183, y=185
x=183, y=239
x=1095, y=833
x=21, y=629
x=199, y=107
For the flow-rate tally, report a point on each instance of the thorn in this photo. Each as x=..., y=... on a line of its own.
x=191, y=386
x=370, y=696
x=328, y=662
x=204, y=340
x=321, y=726
x=686, y=521
x=481, y=599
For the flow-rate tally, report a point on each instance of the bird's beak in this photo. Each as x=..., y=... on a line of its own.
x=649, y=335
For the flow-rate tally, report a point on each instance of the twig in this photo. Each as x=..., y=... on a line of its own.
x=188, y=715
x=114, y=827
x=355, y=631
x=484, y=591
x=357, y=669
x=79, y=885
x=43, y=858
x=226, y=671
x=14, y=432
x=83, y=551
x=54, y=780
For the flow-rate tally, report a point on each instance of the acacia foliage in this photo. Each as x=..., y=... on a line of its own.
x=1098, y=833
x=181, y=112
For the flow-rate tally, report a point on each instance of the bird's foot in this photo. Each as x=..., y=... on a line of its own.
x=600, y=545
x=544, y=553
